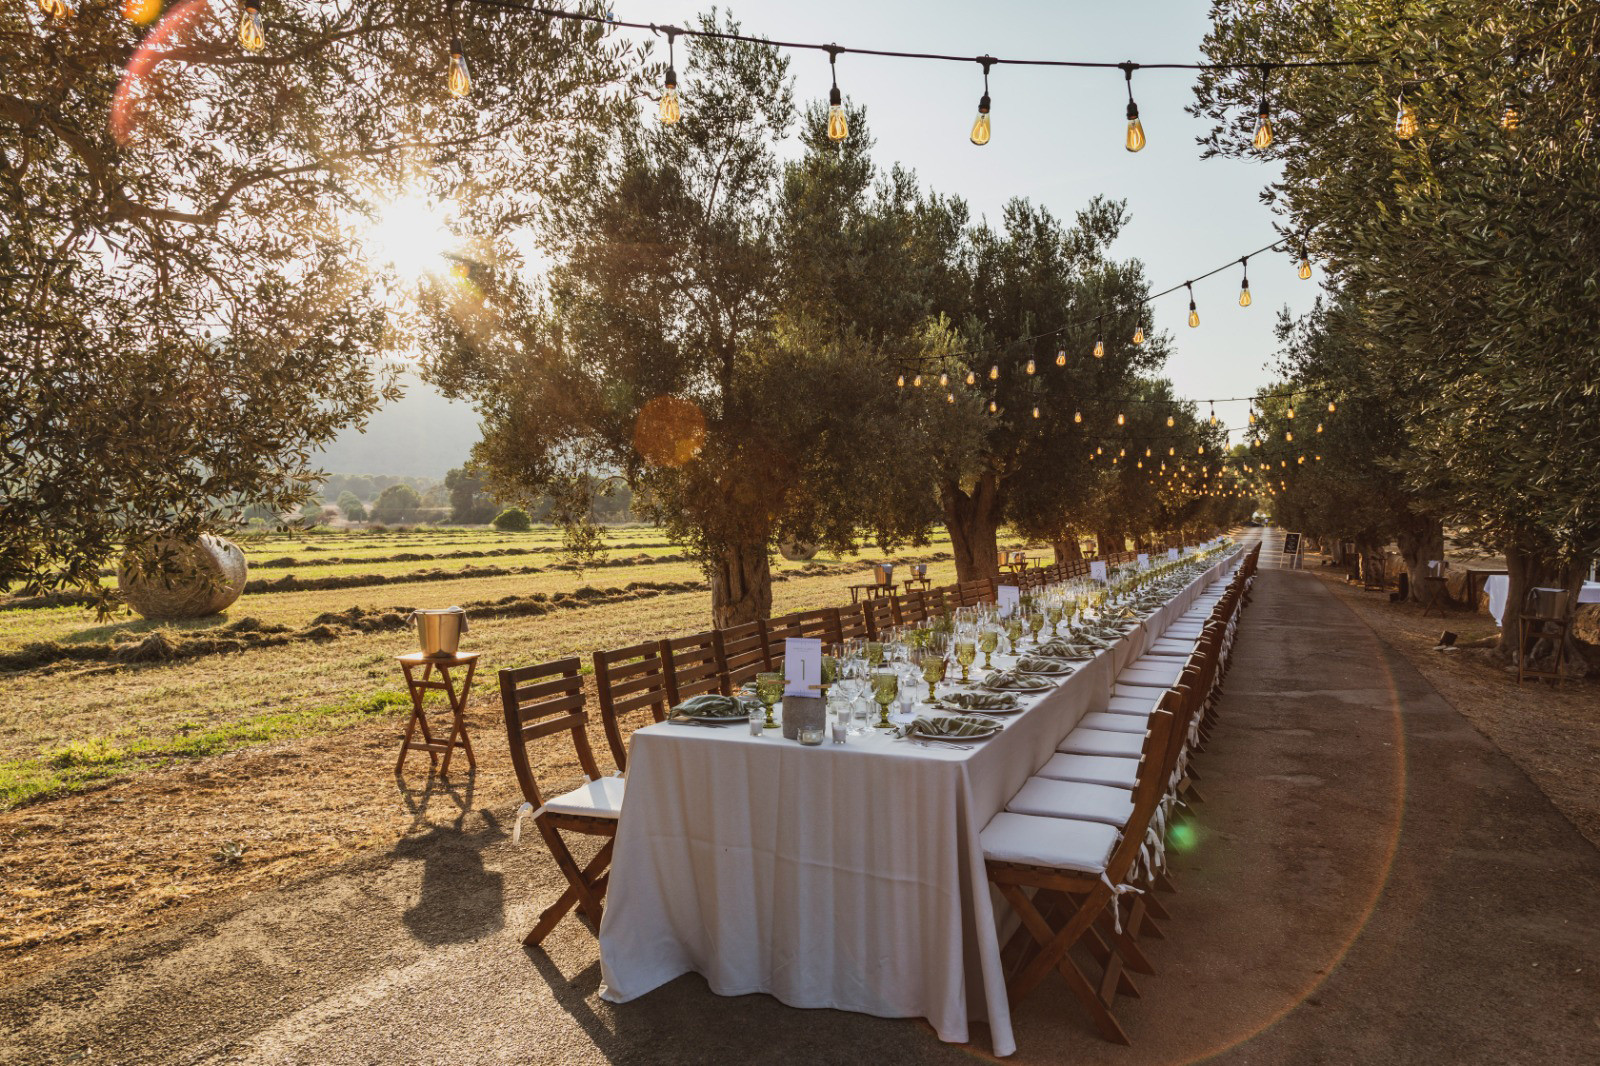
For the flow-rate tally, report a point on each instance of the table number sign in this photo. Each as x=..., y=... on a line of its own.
x=1097, y=570
x=1006, y=598
x=1172, y=554
x=802, y=666
x=1144, y=560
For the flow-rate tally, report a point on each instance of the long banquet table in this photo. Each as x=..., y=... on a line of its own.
x=842, y=876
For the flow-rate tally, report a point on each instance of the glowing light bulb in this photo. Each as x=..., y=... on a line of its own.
x=459, y=81
x=1291, y=412
x=944, y=380
x=1263, y=137
x=1301, y=459
x=949, y=397
x=1194, y=316
x=1170, y=451
x=1200, y=449
x=1330, y=407
x=1305, y=269
x=994, y=372
x=1122, y=419
x=1077, y=416
x=1030, y=366
x=57, y=9
x=670, y=111
x=1288, y=435
x=1099, y=348
x=1036, y=412
x=916, y=382
x=980, y=125
x=1252, y=418
x=901, y=381
x=1511, y=118
x=838, y=125
x=1244, y=293
x=972, y=379
x=1405, y=120
x=1098, y=450
x=250, y=36
x=1138, y=334
x=993, y=407
x=1061, y=357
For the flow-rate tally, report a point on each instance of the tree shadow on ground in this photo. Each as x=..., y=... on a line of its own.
x=458, y=899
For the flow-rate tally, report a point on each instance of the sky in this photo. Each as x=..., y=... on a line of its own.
x=1057, y=140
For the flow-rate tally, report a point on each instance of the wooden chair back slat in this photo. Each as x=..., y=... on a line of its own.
x=882, y=613
x=693, y=666
x=742, y=653
x=627, y=680
x=540, y=701
x=822, y=623
x=914, y=607
x=774, y=631
x=853, y=622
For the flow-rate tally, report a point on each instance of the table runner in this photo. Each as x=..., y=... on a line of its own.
x=848, y=877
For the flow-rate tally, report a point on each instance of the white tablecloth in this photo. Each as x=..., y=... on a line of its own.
x=1498, y=585
x=848, y=877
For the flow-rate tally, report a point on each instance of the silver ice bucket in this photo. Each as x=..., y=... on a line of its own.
x=439, y=631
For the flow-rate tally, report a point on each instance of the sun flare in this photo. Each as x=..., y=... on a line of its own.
x=410, y=234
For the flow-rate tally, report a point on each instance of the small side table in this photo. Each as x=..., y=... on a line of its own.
x=419, y=685
x=1531, y=629
x=918, y=582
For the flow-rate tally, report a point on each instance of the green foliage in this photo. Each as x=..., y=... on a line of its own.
x=397, y=503
x=513, y=520
x=188, y=308
x=352, y=507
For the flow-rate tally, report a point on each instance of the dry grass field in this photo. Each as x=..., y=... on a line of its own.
x=133, y=787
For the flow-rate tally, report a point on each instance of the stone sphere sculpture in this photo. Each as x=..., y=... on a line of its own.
x=210, y=574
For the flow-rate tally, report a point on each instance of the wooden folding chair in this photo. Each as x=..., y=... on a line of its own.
x=774, y=631
x=692, y=666
x=914, y=607
x=853, y=622
x=542, y=701
x=883, y=613
x=629, y=680
x=741, y=654
x=1078, y=872
x=822, y=623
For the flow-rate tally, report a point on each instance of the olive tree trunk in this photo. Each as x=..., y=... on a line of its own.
x=1420, y=542
x=973, y=521
x=741, y=585
x=1067, y=551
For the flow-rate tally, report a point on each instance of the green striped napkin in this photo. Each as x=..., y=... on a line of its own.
x=1064, y=649
x=1044, y=664
x=709, y=705
x=980, y=701
x=1016, y=681
x=954, y=727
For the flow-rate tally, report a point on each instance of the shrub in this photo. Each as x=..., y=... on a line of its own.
x=513, y=520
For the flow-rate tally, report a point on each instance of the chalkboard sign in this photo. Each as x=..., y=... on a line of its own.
x=1291, y=544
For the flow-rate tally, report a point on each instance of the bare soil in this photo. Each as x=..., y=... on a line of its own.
x=1551, y=732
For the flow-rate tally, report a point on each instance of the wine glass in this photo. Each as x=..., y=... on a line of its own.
x=769, y=688
x=885, y=690
x=1035, y=623
x=933, y=668
x=874, y=652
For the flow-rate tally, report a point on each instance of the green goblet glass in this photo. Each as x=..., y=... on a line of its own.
x=988, y=642
x=769, y=689
x=875, y=652
x=885, y=689
x=966, y=652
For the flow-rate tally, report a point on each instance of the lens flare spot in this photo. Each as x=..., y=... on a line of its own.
x=141, y=12
x=670, y=431
x=1182, y=837
x=143, y=80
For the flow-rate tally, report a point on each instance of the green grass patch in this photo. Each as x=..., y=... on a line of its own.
x=82, y=763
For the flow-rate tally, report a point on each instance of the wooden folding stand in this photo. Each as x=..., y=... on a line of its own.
x=419, y=686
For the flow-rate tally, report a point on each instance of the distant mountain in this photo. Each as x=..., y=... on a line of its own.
x=420, y=435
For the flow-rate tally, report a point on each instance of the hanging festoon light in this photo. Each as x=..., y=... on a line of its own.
x=1511, y=116
x=1305, y=265
x=458, y=81
x=1031, y=367
x=1213, y=414
x=1035, y=410
x=1061, y=357
x=1171, y=421
x=949, y=397
x=972, y=378
x=900, y=381
x=993, y=407
x=916, y=382
x=838, y=125
x=1331, y=407
x=1244, y=283
x=1194, y=315
x=1405, y=117
x=1288, y=436
x=1077, y=417
x=1319, y=427
x=1099, y=341
x=944, y=380
x=57, y=9
x=1252, y=416
x=1135, y=141
x=980, y=125
x=1263, y=137
x=250, y=36
x=670, y=111
x=994, y=372
x=1138, y=334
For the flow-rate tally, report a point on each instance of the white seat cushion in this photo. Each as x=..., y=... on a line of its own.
x=1094, y=769
x=1182, y=632
x=1172, y=645
x=1116, y=721
x=597, y=799
x=1058, y=843
x=1159, y=665
x=1050, y=798
x=1141, y=701
x=1102, y=742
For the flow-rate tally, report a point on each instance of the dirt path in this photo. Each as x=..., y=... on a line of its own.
x=1372, y=881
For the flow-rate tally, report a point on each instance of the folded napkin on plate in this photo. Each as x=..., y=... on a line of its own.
x=956, y=726
x=1062, y=649
x=1044, y=664
x=1015, y=680
x=980, y=701
x=709, y=705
